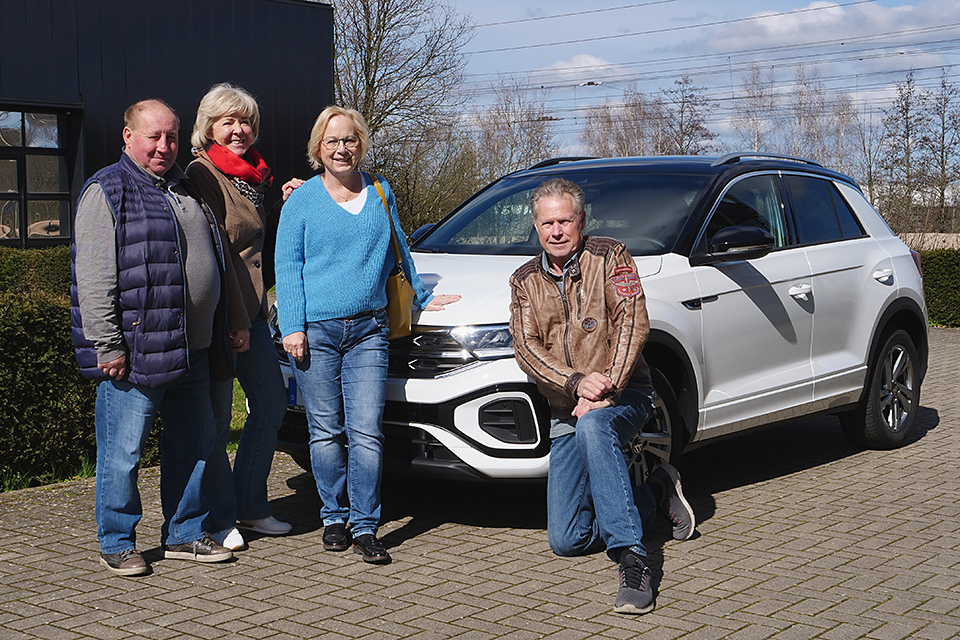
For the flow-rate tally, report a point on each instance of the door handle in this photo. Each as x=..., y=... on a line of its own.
x=883, y=276
x=801, y=291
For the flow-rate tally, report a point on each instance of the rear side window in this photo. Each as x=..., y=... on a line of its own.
x=819, y=212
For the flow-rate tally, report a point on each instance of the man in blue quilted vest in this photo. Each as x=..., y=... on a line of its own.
x=146, y=296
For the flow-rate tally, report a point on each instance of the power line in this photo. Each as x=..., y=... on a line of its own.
x=673, y=29
x=575, y=13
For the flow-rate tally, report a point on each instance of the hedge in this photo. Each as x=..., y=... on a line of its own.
x=46, y=406
x=941, y=285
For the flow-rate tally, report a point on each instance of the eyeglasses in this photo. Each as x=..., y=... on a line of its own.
x=331, y=144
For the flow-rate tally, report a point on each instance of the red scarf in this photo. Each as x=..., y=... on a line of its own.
x=250, y=168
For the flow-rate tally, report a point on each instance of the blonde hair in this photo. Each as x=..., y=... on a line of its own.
x=221, y=100
x=320, y=127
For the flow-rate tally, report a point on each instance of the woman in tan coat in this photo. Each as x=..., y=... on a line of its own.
x=233, y=179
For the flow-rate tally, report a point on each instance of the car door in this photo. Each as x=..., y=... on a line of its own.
x=757, y=315
x=852, y=278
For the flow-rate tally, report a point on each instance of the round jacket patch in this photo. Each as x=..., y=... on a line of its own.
x=589, y=324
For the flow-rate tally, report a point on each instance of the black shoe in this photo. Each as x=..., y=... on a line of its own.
x=673, y=504
x=635, y=595
x=202, y=550
x=371, y=549
x=128, y=562
x=336, y=537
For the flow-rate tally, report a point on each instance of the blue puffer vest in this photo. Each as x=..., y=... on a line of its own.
x=150, y=277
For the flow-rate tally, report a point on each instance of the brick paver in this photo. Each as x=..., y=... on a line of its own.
x=800, y=536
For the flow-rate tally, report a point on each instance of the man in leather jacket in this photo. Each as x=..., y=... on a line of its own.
x=579, y=323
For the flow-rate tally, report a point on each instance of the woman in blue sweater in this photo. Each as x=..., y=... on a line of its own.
x=332, y=260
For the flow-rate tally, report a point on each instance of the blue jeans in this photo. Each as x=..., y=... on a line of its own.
x=125, y=414
x=343, y=380
x=241, y=494
x=592, y=503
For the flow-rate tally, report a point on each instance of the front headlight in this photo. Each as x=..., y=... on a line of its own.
x=485, y=343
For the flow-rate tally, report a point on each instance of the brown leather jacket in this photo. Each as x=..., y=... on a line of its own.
x=599, y=324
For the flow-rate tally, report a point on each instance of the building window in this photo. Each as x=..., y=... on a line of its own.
x=34, y=177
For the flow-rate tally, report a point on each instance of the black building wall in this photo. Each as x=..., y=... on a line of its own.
x=89, y=59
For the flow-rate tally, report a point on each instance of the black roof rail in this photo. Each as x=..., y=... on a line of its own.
x=731, y=158
x=553, y=161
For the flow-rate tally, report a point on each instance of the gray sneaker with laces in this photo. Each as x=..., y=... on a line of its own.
x=635, y=595
x=673, y=504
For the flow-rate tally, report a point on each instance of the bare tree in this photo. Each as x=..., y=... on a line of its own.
x=754, y=120
x=399, y=61
x=942, y=146
x=631, y=127
x=841, y=133
x=516, y=132
x=430, y=172
x=806, y=130
x=686, y=110
x=869, y=138
x=905, y=124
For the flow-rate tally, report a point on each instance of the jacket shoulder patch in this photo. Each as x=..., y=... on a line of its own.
x=626, y=281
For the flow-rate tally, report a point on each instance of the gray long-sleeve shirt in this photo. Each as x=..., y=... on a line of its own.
x=96, y=268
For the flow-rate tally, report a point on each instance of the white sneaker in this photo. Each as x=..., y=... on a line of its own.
x=268, y=526
x=229, y=538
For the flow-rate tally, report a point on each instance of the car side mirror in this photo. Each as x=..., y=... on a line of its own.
x=419, y=233
x=734, y=244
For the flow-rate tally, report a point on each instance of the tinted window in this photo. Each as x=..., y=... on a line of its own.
x=645, y=212
x=752, y=202
x=813, y=209
x=849, y=224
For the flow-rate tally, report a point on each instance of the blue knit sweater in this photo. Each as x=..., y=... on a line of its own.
x=331, y=263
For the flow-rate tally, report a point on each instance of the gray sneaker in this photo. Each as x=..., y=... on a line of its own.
x=128, y=562
x=674, y=505
x=202, y=550
x=635, y=595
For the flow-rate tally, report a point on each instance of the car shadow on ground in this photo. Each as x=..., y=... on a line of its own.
x=751, y=458
x=738, y=461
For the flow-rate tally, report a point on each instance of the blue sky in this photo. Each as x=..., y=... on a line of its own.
x=862, y=47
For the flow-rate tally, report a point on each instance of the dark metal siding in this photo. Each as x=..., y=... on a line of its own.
x=100, y=56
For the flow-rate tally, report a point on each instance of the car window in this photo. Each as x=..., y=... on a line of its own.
x=849, y=225
x=753, y=201
x=644, y=211
x=812, y=202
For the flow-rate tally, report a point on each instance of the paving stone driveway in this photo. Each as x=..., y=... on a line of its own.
x=800, y=536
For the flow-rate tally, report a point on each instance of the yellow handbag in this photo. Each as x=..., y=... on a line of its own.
x=399, y=291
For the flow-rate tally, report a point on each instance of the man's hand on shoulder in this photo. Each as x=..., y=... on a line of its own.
x=115, y=368
x=594, y=386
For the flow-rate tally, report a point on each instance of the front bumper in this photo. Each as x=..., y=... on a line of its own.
x=486, y=421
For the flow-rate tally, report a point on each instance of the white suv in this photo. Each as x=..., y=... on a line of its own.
x=774, y=291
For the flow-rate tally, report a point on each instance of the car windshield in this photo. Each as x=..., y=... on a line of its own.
x=644, y=211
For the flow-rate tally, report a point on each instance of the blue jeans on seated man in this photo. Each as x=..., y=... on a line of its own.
x=342, y=379
x=125, y=414
x=592, y=503
x=241, y=493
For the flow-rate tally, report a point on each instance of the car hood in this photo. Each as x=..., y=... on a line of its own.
x=484, y=283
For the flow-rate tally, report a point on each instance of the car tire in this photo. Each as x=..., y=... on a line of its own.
x=886, y=415
x=661, y=438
